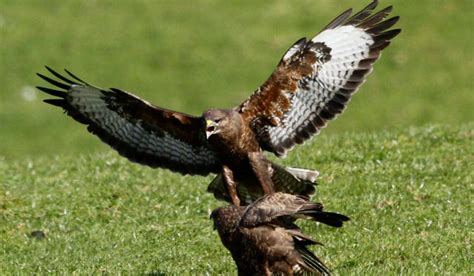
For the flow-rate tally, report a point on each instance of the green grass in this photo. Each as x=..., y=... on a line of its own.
x=193, y=56
x=399, y=162
x=409, y=194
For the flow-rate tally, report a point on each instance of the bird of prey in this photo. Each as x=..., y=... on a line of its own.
x=311, y=84
x=263, y=238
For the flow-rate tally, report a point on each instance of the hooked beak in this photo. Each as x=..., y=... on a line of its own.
x=211, y=128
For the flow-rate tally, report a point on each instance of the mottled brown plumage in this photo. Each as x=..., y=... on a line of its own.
x=312, y=84
x=263, y=238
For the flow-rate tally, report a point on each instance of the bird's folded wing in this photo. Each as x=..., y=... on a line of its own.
x=274, y=206
x=315, y=79
x=309, y=261
x=139, y=131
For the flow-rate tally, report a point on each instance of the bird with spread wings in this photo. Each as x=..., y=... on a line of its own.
x=263, y=238
x=313, y=82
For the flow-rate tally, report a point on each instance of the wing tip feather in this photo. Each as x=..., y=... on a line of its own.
x=55, y=102
x=74, y=76
x=54, y=82
x=52, y=92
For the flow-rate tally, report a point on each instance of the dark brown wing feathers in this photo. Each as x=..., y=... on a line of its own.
x=263, y=234
x=278, y=205
x=139, y=131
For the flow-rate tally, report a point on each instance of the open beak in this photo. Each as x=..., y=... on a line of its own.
x=211, y=128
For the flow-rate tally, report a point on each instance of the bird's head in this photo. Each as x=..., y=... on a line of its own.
x=215, y=120
x=226, y=219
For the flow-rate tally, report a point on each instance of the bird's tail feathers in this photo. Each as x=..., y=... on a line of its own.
x=287, y=180
x=303, y=174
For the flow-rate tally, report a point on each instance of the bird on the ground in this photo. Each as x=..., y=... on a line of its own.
x=312, y=83
x=263, y=238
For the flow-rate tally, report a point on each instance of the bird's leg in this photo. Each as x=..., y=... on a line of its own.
x=231, y=185
x=262, y=169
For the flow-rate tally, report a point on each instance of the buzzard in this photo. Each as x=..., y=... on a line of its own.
x=312, y=83
x=263, y=238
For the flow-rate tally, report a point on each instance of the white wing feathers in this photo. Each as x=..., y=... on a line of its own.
x=319, y=77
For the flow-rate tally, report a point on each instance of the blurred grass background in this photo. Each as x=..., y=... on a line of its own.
x=190, y=56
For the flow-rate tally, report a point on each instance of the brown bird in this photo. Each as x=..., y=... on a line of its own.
x=312, y=83
x=263, y=238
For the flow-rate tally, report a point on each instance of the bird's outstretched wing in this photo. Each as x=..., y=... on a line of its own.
x=139, y=131
x=315, y=79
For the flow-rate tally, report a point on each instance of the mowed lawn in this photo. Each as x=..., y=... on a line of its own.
x=408, y=193
x=399, y=161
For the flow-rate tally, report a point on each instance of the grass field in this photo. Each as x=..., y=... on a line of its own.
x=399, y=161
x=408, y=194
